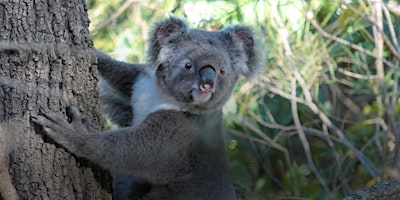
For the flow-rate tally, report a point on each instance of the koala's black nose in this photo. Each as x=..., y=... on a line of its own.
x=207, y=77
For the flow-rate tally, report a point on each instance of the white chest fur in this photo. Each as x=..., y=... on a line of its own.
x=147, y=98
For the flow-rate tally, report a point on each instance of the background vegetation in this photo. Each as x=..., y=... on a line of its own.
x=322, y=120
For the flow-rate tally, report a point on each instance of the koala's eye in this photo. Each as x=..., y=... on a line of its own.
x=188, y=65
x=222, y=71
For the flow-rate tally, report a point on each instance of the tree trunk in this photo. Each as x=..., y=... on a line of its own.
x=46, y=61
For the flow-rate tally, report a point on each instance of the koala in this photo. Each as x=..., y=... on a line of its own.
x=170, y=144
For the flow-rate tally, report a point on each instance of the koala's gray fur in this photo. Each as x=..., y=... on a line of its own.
x=170, y=110
x=115, y=85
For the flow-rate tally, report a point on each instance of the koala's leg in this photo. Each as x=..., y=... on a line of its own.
x=156, y=150
x=7, y=189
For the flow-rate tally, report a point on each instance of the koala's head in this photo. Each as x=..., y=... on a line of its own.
x=199, y=68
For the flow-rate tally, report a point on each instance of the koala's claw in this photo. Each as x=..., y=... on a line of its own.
x=46, y=117
x=53, y=124
x=73, y=114
x=75, y=118
x=62, y=131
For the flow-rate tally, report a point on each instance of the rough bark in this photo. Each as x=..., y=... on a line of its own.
x=46, y=60
x=381, y=191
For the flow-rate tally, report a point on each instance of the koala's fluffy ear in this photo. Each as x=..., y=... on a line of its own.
x=243, y=47
x=164, y=33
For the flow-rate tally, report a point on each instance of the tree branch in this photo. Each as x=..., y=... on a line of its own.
x=115, y=15
x=385, y=191
x=349, y=44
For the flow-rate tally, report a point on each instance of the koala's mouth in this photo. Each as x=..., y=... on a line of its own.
x=199, y=97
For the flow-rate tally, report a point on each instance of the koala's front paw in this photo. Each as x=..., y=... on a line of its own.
x=62, y=131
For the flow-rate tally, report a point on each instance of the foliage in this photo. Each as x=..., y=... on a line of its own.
x=320, y=122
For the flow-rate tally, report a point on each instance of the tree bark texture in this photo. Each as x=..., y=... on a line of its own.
x=46, y=61
x=389, y=190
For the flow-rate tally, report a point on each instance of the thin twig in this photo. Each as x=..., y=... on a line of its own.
x=391, y=28
x=396, y=44
x=304, y=141
x=265, y=138
x=270, y=125
x=323, y=135
x=395, y=94
x=347, y=43
x=115, y=15
x=263, y=141
x=341, y=138
x=288, y=52
x=260, y=156
x=355, y=75
x=378, y=28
